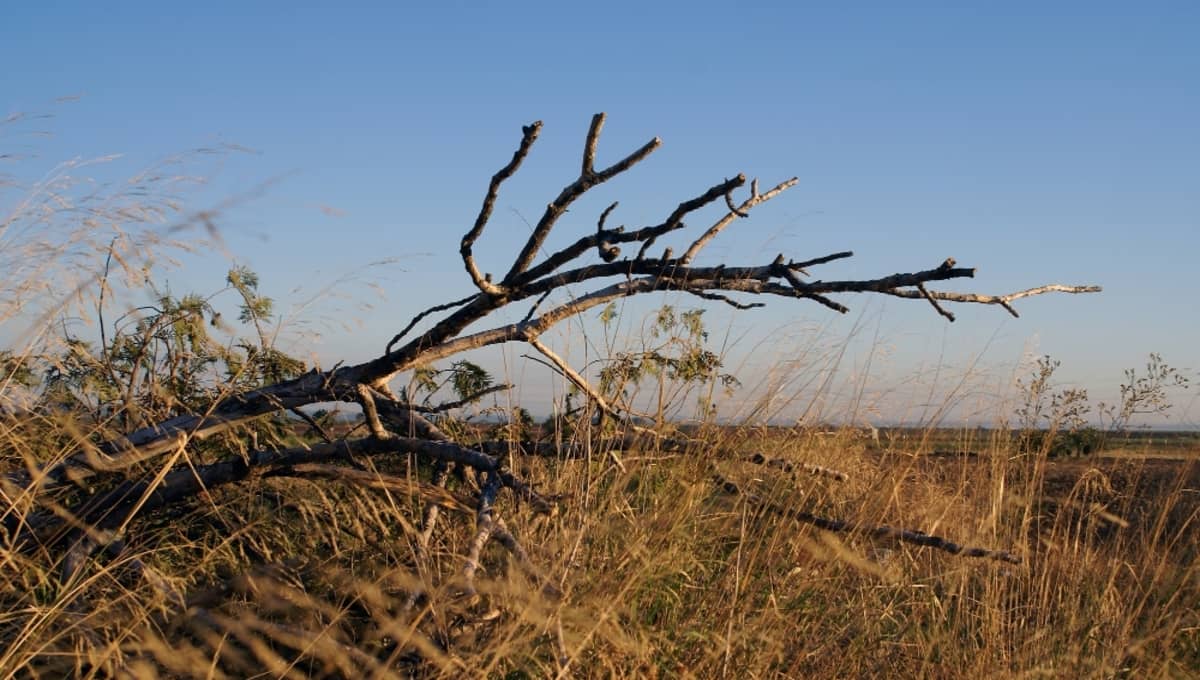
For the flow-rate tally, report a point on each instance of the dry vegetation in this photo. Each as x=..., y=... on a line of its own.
x=249, y=543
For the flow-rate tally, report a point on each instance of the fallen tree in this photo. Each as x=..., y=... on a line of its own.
x=627, y=265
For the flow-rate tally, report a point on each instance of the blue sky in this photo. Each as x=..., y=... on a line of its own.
x=1040, y=144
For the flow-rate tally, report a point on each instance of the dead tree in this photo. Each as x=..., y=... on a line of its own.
x=613, y=262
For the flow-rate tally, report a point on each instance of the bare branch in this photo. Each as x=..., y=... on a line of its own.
x=607, y=251
x=934, y=302
x=799, y=286
x=820, y=260
x=417, y=319
x=1002, y=300
x=732, y=208
x=673, y=277
x=312, y=422
x=589, y=146
x=459, y=403
x=484, y=525
x=604, y=216
x=727, y=300
x=573, y=375
x=587, y=179
x=529, y=135
x=401, y=414
x=741, y=211
x=647, y=235
x=537, y=303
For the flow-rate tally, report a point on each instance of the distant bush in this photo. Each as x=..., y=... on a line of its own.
x=1054, y=421
x=1070, y=443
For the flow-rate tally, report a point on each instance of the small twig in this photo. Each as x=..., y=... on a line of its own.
x=417, y=319
x=675, y=220
x=537, y=303
x=786, y=272
x=568, y=372
x=741, y=211
x=459, y=403
x=1002, y=300
x=821, y=260
x=312, y=422
x=441, y=473
x=940, y=310
x=733, y=208
x=721, y=298
x=604, y=217
x=582, y=383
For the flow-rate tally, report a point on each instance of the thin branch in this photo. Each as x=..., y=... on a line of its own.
x=799, y=286
x=647, y=235
x=741, y=211
x=732, y=208
x=607, y=251
x=504, y=537
x=727, y=300
x=820, y=260
x=588, y=178
x=934, y=302
x=441, y=473
x=589, y=146
x=529, y=134
x=398, y=413
x=584, y=386
x=537, y=303
x=459, y=403
x=1002, y=300
x=417, y=319
x=604, y=216
x=312, y=422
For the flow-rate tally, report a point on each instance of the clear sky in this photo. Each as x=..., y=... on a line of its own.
x=1039, y=142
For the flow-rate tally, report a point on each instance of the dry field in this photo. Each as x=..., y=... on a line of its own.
x=654, y=571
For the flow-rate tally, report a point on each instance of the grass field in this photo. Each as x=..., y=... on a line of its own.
x=660, y=572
